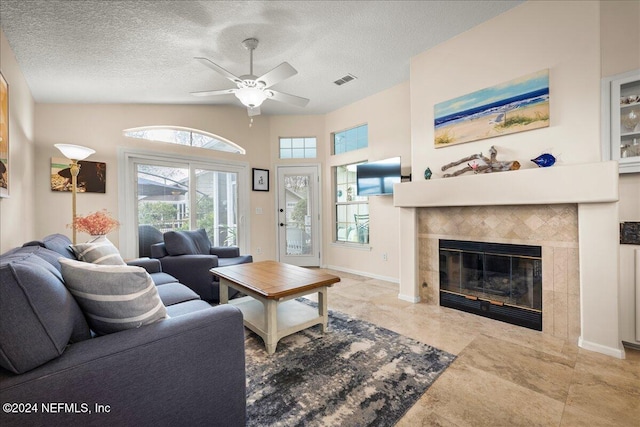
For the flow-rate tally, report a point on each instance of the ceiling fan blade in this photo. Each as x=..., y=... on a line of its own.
x=219, y=69
x=278, y=74
x=289, y=99
x=255, y=111
x=213, y=92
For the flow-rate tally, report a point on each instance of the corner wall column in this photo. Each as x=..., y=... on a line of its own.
x=409, y=283
x=599, y=257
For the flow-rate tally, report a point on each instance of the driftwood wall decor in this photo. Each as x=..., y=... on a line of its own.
x=481, y=164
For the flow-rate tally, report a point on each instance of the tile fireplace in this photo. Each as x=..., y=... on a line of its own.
x=495, y=280
x=581, y=298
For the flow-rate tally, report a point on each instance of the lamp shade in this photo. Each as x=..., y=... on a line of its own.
x=74, y=152
x=251, y=96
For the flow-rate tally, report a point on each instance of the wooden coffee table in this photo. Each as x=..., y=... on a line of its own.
x=270, y=309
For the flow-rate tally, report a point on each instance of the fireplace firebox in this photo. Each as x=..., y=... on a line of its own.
x=495, y=280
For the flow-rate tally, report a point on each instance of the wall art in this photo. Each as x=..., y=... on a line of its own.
x=260, y=179
x=91, y=178
x=515, y=106
x=4, y=137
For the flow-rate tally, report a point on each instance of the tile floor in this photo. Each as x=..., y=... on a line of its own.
x=504, y=375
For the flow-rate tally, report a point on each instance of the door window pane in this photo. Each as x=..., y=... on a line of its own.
x=297, y=214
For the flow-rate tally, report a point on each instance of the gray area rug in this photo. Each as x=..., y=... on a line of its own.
x=357, y=374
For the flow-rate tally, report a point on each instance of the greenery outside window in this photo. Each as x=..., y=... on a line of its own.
x=184, y=136
x=351, y=210
x=298, y=148
x=350, y=139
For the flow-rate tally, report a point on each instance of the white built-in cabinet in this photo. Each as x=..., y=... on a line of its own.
x=621, y=120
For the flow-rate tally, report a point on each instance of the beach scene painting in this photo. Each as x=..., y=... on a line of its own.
x=515, y=106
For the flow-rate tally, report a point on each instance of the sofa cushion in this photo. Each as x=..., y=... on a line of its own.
x=98, y=251
x=59, y=243
x=113, y=297
x=41, y=252
x=188, y=307
x=175, y=293
x=38, y=315
x=162, y=278
x=187, y=242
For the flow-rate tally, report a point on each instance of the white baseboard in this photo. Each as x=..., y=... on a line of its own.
x=409, y=298
x=599, y=348
x=364, y=273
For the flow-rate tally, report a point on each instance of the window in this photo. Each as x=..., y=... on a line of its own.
x=178, y=192
x=184, y=136
x=298, y=148
x=164, y=200
x=352, y=211
x=351, y=139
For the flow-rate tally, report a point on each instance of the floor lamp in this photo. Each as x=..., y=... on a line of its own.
x=74, y=153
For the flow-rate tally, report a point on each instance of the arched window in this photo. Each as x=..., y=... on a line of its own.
x=184, y=136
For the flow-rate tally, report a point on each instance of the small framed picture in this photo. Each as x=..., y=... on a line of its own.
x=260, y=179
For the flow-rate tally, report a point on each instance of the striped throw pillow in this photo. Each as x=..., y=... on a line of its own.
x=98, y=251
x=113, y=297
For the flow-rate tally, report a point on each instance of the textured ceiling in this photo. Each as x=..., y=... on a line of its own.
x=142, y=51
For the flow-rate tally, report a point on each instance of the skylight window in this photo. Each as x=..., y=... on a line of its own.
x=184, y=136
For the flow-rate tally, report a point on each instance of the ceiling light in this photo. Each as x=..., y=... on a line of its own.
x=251, y=96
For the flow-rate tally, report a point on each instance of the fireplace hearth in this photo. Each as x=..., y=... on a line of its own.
x=495, y=280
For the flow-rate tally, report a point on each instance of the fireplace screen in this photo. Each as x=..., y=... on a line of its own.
x=501, y=281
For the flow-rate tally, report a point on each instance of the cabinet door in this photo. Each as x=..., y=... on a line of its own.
x=625, y=121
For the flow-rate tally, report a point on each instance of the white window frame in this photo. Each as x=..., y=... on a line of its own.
x=336, y=203
x=233, y=147
x=127, y=189
x=304, y=147
x=333, y=139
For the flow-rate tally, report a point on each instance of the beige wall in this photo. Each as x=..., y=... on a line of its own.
x=619, y=25
x=387, y=115
x=17, y=213
x=560, y=36
x=100, y=127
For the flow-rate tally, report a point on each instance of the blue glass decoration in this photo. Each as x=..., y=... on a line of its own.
x=427, y=173
x=544, y=160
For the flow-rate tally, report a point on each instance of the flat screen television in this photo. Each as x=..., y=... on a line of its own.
x=377, y=178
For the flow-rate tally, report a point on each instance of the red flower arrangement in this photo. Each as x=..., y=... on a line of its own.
x=96, y=223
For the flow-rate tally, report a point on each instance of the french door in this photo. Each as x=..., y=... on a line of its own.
x=185, y=194
x=298, y=216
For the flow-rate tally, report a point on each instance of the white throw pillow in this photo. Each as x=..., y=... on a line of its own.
x=113, y=297
x=98, y=251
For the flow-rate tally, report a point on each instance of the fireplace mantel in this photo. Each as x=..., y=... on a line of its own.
x=593, y=187
x=581, y=183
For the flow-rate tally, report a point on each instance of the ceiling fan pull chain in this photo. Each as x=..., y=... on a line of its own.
x=251, y=122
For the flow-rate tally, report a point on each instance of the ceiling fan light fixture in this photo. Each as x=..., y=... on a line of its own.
x=251, y=96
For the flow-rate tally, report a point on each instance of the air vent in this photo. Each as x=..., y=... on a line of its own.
x=345, y=79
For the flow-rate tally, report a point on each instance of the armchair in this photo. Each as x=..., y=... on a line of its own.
x=189, y=257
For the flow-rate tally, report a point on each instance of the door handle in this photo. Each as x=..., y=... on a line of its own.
x=282, y=224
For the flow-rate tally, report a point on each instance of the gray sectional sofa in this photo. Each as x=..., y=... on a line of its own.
x=189, y=256
x=186, y=369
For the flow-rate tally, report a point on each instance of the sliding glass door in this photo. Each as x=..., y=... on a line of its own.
x=184, y=194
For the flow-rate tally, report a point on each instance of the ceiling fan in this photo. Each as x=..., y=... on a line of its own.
x=252, y=90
